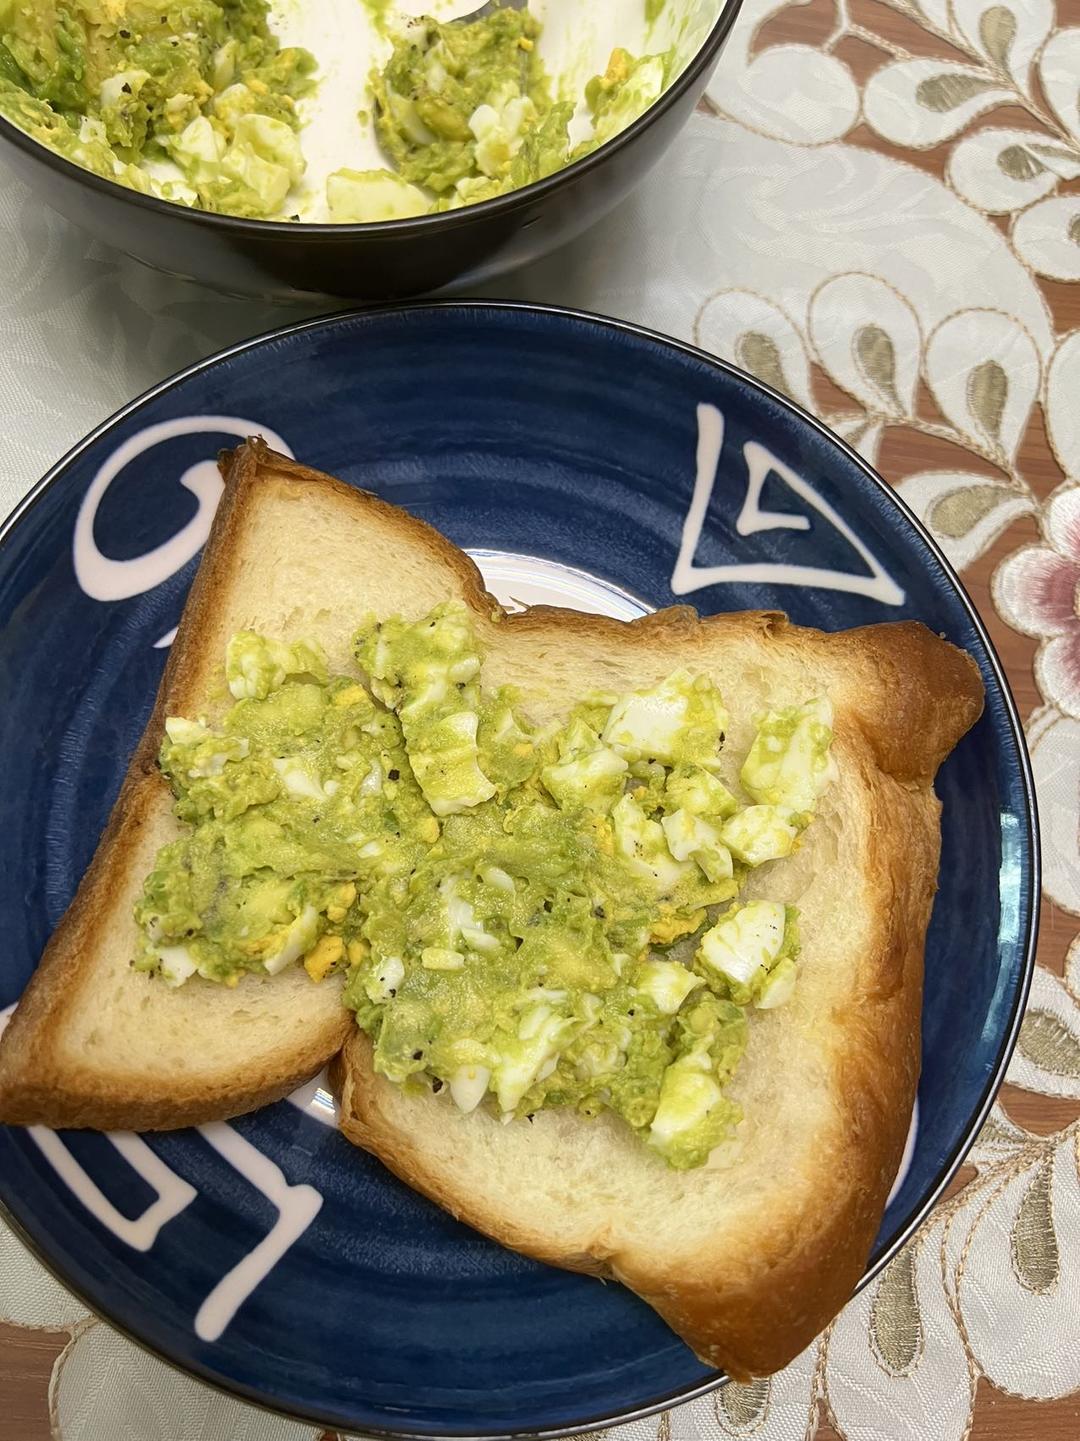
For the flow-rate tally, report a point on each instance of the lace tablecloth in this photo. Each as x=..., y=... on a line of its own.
x=878, y=211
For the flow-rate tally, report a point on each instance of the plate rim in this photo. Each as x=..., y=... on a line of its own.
x=1030, y=930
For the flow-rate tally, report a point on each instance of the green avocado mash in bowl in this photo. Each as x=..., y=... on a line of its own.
x=299, y=119
x=525, y=916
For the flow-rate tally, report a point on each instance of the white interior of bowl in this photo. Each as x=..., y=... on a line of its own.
x=577, y=39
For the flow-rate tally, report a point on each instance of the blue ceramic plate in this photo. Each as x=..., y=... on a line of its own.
x=579, y=460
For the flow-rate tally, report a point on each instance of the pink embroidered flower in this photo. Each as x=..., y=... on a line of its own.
x=1037, y=591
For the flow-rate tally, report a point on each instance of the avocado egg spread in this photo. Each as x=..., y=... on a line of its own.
x=199, y=103
x=528, y=916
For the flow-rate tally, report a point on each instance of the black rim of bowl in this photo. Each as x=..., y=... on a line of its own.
x=388, y=229
x=1031, y=920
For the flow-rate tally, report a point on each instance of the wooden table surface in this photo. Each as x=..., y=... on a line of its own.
x=27, y=1357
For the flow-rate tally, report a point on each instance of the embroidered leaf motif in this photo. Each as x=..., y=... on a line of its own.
x=1054, y=152
x=744, y=1406
x=988, y=390
x=760, y=355
x=950, y=89
x=993, y=1133
x=1048, y=1043
x=1035, y=1255
x=877, y=360
x=957, y=513
x=1018, y=163
x=895, y=1322
x=854, y=434
x=997, y=31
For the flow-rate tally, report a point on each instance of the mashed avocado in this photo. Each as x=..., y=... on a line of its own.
x=113, y=84
x=543, y=916
x=197, y=102
x=465, y=111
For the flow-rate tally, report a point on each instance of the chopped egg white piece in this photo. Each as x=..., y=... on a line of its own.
x=381, y=987
x=299, y=938
x=540, y=1034
x=779, y=986
x=758, y=834
x=641, y=843
x=297, y=780
x=177, y=964
x=468, y=1086
x=667, y=984
x=743, y=941
x=790, y=763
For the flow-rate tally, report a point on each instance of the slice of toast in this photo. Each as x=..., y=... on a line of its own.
x=748, y=1257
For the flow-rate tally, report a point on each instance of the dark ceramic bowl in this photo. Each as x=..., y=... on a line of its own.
x=372, y=262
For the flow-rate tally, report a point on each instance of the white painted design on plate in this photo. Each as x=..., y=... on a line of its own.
x=517, y=581
x=105, y=579
x=905, y=1159
x=760, y=463
x=139, y=1232
x=317, y=1100
x=297, y=1207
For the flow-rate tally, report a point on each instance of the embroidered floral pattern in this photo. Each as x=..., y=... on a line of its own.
x=908, y=298
x=1037, y=590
